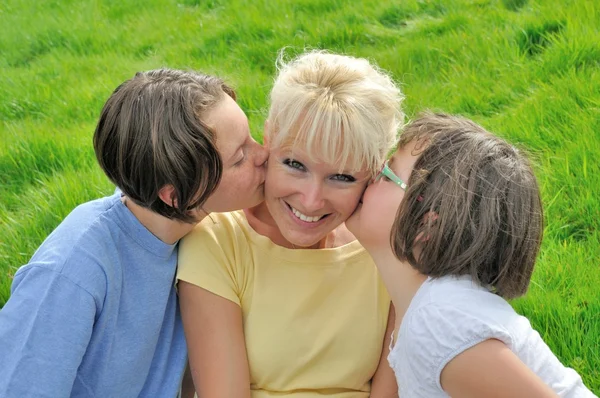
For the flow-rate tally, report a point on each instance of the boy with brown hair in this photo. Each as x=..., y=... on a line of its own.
x=95, y=312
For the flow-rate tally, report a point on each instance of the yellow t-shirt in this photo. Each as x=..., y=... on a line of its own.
x=314, y=320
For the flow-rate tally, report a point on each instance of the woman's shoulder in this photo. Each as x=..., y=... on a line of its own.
x=224, y=235
x=214, y=256
x=219, y=225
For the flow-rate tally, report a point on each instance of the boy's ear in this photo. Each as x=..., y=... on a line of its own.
x=167, y=195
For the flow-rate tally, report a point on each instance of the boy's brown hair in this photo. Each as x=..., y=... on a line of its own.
x=472, y=206
x=151, y=134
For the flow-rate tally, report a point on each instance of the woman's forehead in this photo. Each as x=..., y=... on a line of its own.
x=341, y=145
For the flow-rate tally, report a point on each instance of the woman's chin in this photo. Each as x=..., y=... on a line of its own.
x=305, y=242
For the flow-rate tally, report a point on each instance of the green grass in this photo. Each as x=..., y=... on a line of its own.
x=529, y=70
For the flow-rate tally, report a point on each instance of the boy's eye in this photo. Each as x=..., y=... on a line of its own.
x=343, y=178
x=294, y=164
x=239, y=162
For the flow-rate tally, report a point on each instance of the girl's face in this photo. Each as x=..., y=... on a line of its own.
x=372, y=221
x=308, y=199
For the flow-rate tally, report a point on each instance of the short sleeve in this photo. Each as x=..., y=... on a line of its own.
x=214, y=255
x=45, y=328
x=436, y=334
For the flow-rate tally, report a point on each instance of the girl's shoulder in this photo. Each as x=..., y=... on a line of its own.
x=459, y=293
x=460, y=304
x=448, y=316
x=451, y=315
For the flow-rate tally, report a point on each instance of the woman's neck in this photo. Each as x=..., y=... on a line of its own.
x=401, y=280
x=260, y=220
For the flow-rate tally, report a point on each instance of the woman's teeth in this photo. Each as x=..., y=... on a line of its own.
x=305, y=218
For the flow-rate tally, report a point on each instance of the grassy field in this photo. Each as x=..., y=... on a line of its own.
x=525, y=69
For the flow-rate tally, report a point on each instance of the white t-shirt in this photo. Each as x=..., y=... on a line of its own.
x=449, y=315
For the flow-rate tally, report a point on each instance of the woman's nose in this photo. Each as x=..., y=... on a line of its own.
x=313, y=198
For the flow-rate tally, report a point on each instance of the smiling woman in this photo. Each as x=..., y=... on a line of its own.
x=308, y=199
x=280, y=299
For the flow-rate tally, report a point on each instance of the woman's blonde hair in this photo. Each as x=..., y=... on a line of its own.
x=341, y=109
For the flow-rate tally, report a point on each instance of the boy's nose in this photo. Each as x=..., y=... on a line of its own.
x=261, y=154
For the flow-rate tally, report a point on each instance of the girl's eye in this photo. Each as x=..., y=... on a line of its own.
x=343, y=178
x=294, y=164
x=386, y=178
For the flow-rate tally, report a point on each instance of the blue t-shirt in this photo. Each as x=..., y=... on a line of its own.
x=95, y=312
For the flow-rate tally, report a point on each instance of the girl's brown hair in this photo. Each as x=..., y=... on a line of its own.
x=472, y=206
x=151, y=134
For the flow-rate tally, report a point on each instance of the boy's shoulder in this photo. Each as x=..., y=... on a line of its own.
x=89, y=222
x=81, y=246
x=91, y=216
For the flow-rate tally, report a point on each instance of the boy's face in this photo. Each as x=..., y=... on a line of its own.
x=372, y=221
x=242, y=181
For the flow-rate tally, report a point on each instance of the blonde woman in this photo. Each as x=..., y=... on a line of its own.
x=280, y=299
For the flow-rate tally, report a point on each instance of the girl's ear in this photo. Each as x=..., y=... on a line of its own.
x=167, y=195
x=428, y=219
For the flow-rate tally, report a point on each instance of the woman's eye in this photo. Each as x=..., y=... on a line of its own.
x=294, y=164
x=386, y=178
x=343, y=178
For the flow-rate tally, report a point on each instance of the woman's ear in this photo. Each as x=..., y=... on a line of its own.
x=266, y=134
x=167, y=195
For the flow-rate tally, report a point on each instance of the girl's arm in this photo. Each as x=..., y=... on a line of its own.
x=491, y=369
x=384, y=383
x=216, y=345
